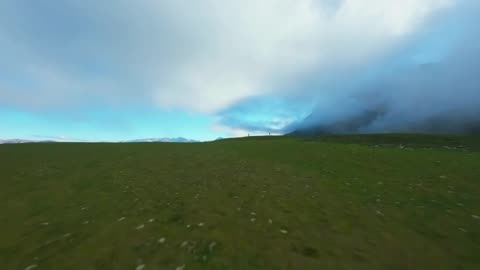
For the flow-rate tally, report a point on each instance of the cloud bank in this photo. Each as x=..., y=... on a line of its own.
x=201, y=56
x=414, y=90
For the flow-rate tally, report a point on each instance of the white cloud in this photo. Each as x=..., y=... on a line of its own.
x=255, y=46
x=198, y=55
x=231, y=132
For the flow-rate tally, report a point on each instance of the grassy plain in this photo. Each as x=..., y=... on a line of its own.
x=338, y=202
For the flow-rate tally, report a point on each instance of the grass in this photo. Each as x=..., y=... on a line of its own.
x=338, y=202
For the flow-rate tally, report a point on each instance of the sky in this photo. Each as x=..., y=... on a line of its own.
x=112, y=70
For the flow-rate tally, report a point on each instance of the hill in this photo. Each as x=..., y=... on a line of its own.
x=373, y=121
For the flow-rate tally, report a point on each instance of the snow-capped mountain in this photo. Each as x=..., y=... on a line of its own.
x=177, y=140
x=12, y=141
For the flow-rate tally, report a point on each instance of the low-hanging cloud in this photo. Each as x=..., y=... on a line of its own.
x=435, y=95
x=200, y=56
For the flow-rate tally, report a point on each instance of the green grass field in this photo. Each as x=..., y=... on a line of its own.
x=339, y=202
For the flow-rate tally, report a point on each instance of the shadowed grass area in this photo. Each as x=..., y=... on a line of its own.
x=341, y=202
x=471, y=143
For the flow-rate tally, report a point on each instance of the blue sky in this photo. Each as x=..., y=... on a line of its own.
x=104, y=124
x=120, y=70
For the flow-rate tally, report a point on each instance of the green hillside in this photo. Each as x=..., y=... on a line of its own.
x=338, y=202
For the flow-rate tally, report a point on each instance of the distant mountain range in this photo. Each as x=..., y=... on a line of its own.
x=11, y=141
x=177, y=140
